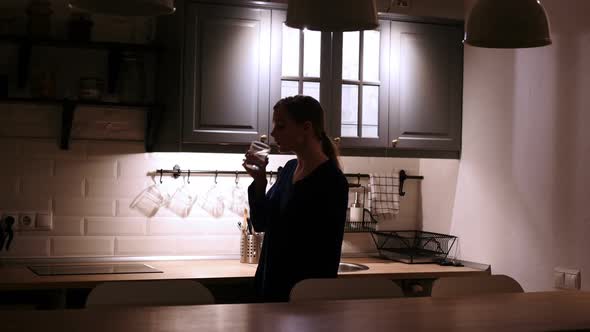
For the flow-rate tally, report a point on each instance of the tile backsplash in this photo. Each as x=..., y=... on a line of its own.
x=90, y=188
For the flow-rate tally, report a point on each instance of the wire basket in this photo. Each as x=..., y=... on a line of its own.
x=368, y=224
x=413, y=246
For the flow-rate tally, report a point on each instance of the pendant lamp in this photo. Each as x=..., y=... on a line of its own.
x=332, y=15
x=125, y=7
x=507, y=24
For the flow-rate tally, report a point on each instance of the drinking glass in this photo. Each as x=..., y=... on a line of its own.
x=213, y=202
x=149, y=201
x=260, y=150
x=239, y=200
x=181, y=202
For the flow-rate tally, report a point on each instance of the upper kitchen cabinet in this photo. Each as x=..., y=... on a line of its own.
x=226, y=75
x=361, y=88
x=426, y=88
x=398, y=89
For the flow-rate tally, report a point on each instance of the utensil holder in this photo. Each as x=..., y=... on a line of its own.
x=251, y=247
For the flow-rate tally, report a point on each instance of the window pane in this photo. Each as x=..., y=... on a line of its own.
x=370, y=110
x=289, y=88
x=312, y=41
x=370, y=131
x=371, y=55
x=349, y=131
x=290, y=51
x=312, y=89
x=350, y=103
x=350, y=55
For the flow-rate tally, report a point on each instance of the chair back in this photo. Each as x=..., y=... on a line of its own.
x=149, y=293
x=463, y=286
x=345, y=288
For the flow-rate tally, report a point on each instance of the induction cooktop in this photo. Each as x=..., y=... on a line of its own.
x=54, y=270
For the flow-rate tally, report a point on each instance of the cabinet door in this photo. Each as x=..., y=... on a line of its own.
x=227, y=68
x=426, y=86
x=361, y=72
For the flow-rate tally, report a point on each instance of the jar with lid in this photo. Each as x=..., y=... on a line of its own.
x=131, y=85
x=39, y=23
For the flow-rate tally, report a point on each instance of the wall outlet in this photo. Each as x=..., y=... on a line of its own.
x=26, y=221
x=44, y=221
x=13, y=215
x=403, y=3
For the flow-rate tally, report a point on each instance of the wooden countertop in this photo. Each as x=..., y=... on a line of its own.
x=548, y=311
x=20, y=277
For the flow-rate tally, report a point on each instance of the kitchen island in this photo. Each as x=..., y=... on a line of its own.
x=547, y=311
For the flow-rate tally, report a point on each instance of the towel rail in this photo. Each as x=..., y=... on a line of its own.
x=176, y=172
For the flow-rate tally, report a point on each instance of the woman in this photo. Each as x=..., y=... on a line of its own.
x=304, y=212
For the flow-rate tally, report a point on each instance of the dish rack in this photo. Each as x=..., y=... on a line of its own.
x=413, y=246
x=368, y=224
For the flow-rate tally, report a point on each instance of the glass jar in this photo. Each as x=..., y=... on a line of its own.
x=131, y=87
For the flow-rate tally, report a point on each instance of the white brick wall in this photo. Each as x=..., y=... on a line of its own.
x=89, y=190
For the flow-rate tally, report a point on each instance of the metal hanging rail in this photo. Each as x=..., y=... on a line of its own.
x=176, y=172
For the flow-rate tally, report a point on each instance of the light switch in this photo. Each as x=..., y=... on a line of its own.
x=571, y=281
x=558, y=279
x=566, y=278
x=44, y=221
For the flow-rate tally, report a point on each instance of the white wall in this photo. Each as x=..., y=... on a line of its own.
x=522, y=187
x=89, y=190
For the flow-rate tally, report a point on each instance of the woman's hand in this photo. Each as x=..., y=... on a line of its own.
x=259, y=175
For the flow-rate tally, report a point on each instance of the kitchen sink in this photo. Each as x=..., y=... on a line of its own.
x=351, y=267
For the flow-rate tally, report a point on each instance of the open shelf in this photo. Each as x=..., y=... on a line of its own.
x=69, y=106
x=80, y=45
x=78, y=102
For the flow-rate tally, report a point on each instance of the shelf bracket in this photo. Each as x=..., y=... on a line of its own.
x=24, y=63
x=114, y=68
x=67, y=118
x=403, y=177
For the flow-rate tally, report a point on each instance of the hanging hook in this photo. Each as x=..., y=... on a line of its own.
x=188, y=179
x=216, y=173
x=237, y=181
x=161, y=173
x=358, y=178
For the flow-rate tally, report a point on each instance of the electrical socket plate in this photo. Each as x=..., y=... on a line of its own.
x=26, y=221
x=403, y=3
x=14, y=215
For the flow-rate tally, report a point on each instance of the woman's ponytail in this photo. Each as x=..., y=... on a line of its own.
x=329, y=148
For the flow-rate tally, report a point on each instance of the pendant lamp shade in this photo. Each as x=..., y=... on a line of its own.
x=332, y=15
x=507, y=24
x=126, y=7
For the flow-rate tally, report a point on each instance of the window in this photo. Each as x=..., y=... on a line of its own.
x=300, y=68
x=360, y=84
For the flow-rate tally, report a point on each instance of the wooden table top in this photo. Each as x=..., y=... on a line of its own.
x=499, y=312
x=20, y=277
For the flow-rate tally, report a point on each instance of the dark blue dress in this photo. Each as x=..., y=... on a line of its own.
x=303, y=225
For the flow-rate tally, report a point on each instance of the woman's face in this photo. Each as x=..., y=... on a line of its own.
x=288, y=135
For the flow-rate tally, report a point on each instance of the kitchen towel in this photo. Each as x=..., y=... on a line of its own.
x=384, y=193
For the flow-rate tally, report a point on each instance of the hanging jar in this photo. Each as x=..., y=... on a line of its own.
x=131, y=87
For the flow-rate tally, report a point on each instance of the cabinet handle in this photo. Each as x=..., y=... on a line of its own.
x=263, y=138
x=394, y=143
x=336, y=140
